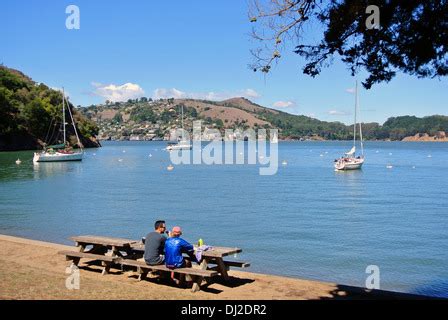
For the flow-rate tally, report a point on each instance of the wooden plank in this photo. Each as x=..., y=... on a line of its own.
x=222, y=268
x=239, y=264
x=197, y=284
x=190, y=271
x=76, y=254
x=106, y=241
x=219, y=252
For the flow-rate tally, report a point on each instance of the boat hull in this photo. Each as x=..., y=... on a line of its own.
x=179, y=146
x=351, y=165
x=57, y=157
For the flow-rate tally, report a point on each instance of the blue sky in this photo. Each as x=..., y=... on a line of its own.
x=186, y=48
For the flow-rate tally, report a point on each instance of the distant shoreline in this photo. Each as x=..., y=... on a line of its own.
x=280, y=141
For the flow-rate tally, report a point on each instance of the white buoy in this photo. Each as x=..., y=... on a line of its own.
x=321, y=155
x=389, y=166
x=390, y=153
x=429, y=156
x=150, y=155
x=170, y=168
x=413, y=167
x=18, y=161
x=124, y=151
x=284, y=163
x=119, y=160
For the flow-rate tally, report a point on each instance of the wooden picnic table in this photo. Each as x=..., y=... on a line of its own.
x=214, y=255
x=102, y=245
x=110, y=250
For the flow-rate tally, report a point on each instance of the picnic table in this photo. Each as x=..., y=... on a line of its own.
x=212, y=256
x=126, y=252
x=106, y=249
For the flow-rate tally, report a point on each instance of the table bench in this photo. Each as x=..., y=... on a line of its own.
x=196, y=274
x=76, y=256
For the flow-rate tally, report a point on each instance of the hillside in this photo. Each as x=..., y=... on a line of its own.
x=145, y=119
x=30, y=114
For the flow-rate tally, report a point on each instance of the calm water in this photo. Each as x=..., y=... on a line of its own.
x=307, y=221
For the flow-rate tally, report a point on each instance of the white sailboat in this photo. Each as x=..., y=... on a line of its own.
x=182, y=144
x=350, y=161
x=61, y=152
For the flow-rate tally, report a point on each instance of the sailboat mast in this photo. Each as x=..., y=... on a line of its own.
x=356, y=106
x=360, y=128
x=182, y=116
x=74, y=126
x=63, y=113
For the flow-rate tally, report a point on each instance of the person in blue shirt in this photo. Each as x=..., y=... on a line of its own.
x=175, y=246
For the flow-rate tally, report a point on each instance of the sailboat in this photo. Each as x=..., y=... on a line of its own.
x=182, y=144
x=61, y=152
x=350, y=161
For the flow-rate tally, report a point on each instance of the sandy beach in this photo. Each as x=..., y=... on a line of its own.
x=32, y=269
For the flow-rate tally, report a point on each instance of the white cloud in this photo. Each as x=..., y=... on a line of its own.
x=338, y=113
x=116, y=93
x=350, y=90
x=163, y=93
x=250, y=93
x=283, y=104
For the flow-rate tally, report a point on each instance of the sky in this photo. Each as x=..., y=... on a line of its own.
x=195, y=49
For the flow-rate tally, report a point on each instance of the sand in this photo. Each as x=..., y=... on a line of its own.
x=32, y=269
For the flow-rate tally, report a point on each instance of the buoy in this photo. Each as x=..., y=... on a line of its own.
x=389, y=166
x=429, y=156
x=413, y=167
x=284, y=162
x=150, y=155
x=119, y=160
x=18, y=161
x=390, y=153
x=170, y=168
x=321, y=155
x=124, y=151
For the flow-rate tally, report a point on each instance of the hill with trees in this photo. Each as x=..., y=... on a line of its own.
x=145, y=119
x=31, y=114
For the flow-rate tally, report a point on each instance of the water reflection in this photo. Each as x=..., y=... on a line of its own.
x=27, y=170
x=47, y=169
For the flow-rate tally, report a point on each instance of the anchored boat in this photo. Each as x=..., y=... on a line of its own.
x=62, y=151
x=350, y=161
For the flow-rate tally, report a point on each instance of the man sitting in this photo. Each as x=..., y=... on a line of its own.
x=155, y=244
x=174, y=248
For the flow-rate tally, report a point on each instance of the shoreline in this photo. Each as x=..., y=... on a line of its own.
x=204, y=141
x=32, y=269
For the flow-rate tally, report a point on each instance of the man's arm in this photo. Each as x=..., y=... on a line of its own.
x=189, y=249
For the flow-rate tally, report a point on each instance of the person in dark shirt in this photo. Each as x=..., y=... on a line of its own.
x=155, y=244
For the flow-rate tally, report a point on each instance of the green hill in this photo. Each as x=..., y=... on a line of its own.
x=146, y=119
x=30, y=114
